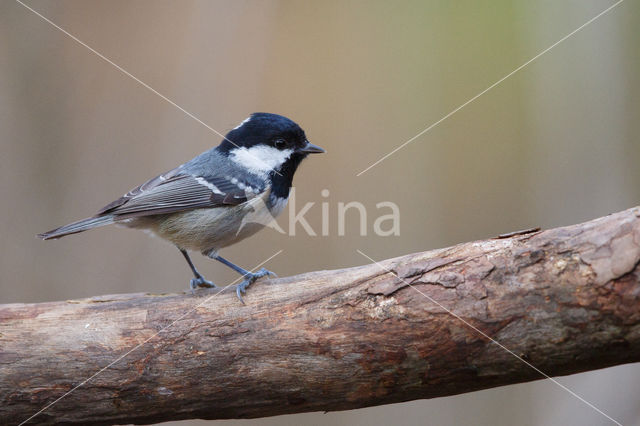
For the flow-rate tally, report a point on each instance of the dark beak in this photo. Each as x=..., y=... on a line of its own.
x=310, y=148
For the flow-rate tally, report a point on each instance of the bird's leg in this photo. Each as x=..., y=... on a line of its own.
x=199, y=280
x=249, y=277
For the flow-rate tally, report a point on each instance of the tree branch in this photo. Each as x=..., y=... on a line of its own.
x=565, y=300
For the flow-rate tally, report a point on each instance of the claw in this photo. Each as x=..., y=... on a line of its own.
x=250, y=279
x=242, y=288
x=200, y=282
x=265, y=272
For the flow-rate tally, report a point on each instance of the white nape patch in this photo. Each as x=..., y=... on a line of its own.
x=209, y=185
x=260, y=159
x=246, y=120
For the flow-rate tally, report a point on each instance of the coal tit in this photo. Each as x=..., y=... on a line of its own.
x=220, y=197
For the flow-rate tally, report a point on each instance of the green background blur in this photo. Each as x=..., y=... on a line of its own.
x=555, y=144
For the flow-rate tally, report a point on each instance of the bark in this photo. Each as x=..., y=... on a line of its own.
x=565, y=300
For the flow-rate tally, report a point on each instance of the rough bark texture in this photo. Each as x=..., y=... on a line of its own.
x=566, y=300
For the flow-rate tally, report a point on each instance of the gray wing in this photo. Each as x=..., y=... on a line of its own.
x=175, y=191
x=147, y=186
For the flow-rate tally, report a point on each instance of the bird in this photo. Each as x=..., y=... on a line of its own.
x=218, y=198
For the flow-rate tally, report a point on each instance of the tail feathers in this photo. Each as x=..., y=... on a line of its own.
x=75, y=227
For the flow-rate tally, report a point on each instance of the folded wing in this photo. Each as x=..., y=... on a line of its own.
x=174, y=192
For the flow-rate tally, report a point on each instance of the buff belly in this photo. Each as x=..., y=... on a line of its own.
x=210, y=229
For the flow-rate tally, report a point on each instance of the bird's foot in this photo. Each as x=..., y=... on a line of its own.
x=250, y=279
x=199, y=281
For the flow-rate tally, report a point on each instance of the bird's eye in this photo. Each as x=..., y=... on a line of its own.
x=280, y=143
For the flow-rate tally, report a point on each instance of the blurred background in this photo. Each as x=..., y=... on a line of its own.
x=555, y=144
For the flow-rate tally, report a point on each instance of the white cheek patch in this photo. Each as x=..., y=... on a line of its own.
x=260, y=159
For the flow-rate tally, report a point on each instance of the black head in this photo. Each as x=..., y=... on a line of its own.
x=264, y=128
x=268, y=144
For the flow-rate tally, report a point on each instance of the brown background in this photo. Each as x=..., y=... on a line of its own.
x=557, y=143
